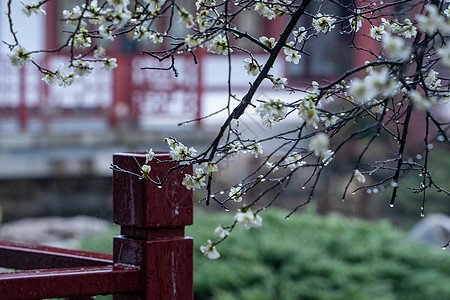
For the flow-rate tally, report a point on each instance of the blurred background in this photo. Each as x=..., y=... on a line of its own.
x=56, y=144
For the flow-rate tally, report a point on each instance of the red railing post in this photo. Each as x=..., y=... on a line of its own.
x=152, y=221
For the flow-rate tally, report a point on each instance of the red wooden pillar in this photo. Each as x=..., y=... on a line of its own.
x=152, y=221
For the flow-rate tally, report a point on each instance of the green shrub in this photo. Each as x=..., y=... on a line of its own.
x=311, y=257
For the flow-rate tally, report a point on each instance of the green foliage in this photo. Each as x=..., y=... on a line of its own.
x=311, y=257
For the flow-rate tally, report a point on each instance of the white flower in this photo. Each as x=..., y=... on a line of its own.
x=431, y=80
x=257, y=149
x=291, y=54
x=251, y=66
x=82, y=39
x=272, y=166
x=209, y=167
x=444, y=53
x=67, y=80
x=73, y=18
x=186, y=18
x=33, y=8
x=356, y=22
x=431, y=22
x=359, y=176
x=323, y=23
x=279, y=83
x=272, y=111
x=447, y=12
x=248, y=219
x=308, y=113
x=109, y=64
x=294, y=161
x=220, y=232
x=300, y=34
x=395, y=47
x=218, y=45
x=19, y=56
x=377, y=32
x=180, y=152
x=145, y=169
x=330, y=120
x=192, y=41
x=236, y=193
x=156, y=38
x=210, y=250
x=408, y=29
x=192, y=182
x=269, y=42
x=265, y=11
x=319, y=144
x=420, y=102
x=82, y=68
x=149, y=156
x=99, y=52
x=327, y=157
x=106, y=32
x=121, y=16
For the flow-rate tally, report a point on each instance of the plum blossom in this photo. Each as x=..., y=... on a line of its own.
x=106, y=32
x=236, y=193
x=359, y=176
x=395, y=47
x=145, y=169
x=272, y=111
x=291, y=54
x=420, y=102
x=377, y=32
x=82, y=68
x=257, y=149
x=251, y=66
x=294, y=161
x=323, y=23
x=74, y=17
x=375, y=84
x=444, y=53
x=264, y=10
x=196, y=181
x=279, y=83
x=109, y=64
x=269, y=42
x=149, y=156
x=99, y=52
x=319, y=144
x=186, y=18
x=33, y=8
x=210, y=250
x=356, y=22
x=19, y=56
x=300, y=34
x=432, y=21
x=82, y=39
x=431, y=80
x=248, y=219
x=192, y=41
x=221, y=232
x=218, y=45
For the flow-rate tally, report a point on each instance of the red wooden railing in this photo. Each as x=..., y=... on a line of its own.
x=152, y=258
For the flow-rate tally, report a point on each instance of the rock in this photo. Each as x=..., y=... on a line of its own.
x=53, y=231
x=433, y=229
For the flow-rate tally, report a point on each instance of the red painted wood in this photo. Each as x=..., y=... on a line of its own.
x=167, y=265
x=153, y=221
x=21, y=256
x=152, y=258
x=141, y=203
x=55, y=283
